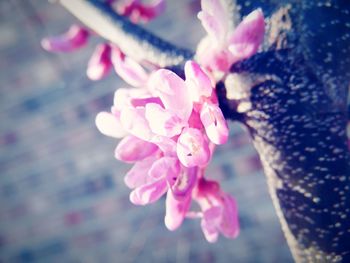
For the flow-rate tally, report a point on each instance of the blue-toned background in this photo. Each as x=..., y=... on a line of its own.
x=62, y=196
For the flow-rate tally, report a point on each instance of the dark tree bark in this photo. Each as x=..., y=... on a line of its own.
x=292, y=97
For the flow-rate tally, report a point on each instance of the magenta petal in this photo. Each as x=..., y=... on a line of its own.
x=132, y=149
x=109, y=124
x=184, y=183
x=128, y=69
x=214, y=123
x=173, y=92
x=215, y=18
x=210, y=223
x=213, y=57
x=197, y=81
x=100, y=63
x=207, y=187
x=166, y=167
x=149, y=193
x=192, y=149
x=74, y=38
x=142, y=102
x=248, y=36
x=152, y=10
x=163, y=122
x=141, y=12
x=195, y=120
x=229, y=225
x=175, y=210
x=165, y=144
x=126, y=97
x=134, y=122
x=138, y=174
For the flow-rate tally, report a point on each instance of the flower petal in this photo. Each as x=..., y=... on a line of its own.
x=173, y=92
x=210, y=223
x=138, y=174
x=215, y=19
x=134, y=122
x=149, y=193
x=192, y=149
x=215, y=124
x=184, y=183
x=124, y=97
x=74, y=38
x=197, y=81
x=109, y=124
x=165, y=167
x=163, y=122
x=229, y=225
x=139, y=12
x=152, y=10
x=128, y=69
x=175, y=210
x=248, y=36
x=213, y=57
x=165, y=144
x=132, y=149
x=100, y=63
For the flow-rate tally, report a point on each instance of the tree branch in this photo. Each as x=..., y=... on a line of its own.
x=131, y=38
x=299, y=133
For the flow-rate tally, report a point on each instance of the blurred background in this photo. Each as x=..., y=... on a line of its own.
x=62, y=196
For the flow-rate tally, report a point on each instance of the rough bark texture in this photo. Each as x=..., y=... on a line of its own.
x=296, y=114
x=292, y=97
x=300, y=136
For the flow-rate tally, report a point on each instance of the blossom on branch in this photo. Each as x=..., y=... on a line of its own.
x=107, y=54
x=140, y=12
x=76, y=37
x=224, y=46
x=170, y=128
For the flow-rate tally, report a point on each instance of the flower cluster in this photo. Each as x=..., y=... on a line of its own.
x=170, y=126
x=224, y=46
x=169, y=130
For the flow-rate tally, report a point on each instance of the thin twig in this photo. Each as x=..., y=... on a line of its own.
x=134, y=40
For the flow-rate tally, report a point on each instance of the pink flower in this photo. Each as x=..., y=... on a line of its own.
x=198, y=82
x=139, y=12
x=247, y=37
x=109, y=125
x=128, y=69
x=223, y=46
x=75, y=37
x=100, y=62
x=219, y=211
x=173, y=92
x=163, y=122
x=214, y=123
x=192, y=148
x=176, y=210
x=133, y=149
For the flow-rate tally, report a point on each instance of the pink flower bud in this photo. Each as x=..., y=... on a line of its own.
x=75, y=37
x=100, y=62
x=248, y=36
